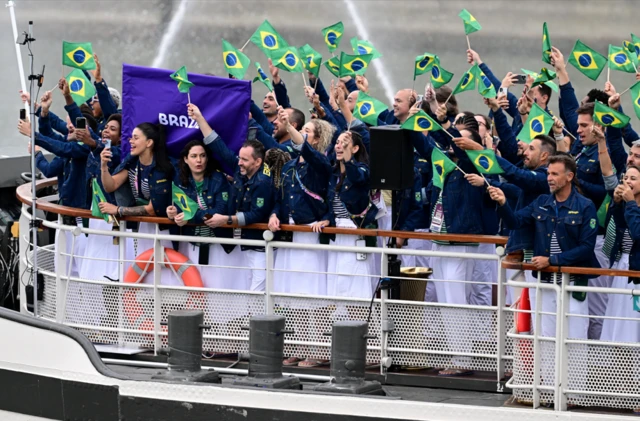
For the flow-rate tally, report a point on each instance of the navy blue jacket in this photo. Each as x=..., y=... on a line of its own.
x=409, y=202
x=574, y=222
x=508, y=145
x=260, y=118
x=589, y=174
x=159, y=186
x=312, y=175
x=269, y=142
x=107, y=105
x=55, y=168
x=354, y=193
x=632, y=221
x=251, y=199
x=93, y=167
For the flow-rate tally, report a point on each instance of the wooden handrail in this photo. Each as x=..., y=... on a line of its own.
x=572, y=270
x=23, y=193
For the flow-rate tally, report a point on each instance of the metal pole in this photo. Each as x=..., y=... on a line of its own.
x=500, y=324
x=562, y=353
x=268, y=298
x=10, y=5
x=34, y=226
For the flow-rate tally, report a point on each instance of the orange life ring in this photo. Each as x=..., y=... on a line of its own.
x=190, y=275
x=523, y=320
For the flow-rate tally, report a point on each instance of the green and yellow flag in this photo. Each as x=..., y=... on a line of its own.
x=539, y=122
x=311, y=59
x=424, y=63
x=78, y=55
x=332, y=35
x=485, y=161
x=333, y=65
x=181, y=77
x=268, y=39
x=96, y=198
x=368, y=109
x=636, y=44
x=440, y=76
x=587, y=60
x=620, y=59
x=470, y=23
x=80, y=87
x=262, y=77
x=608, y=117
x=235, y=61
x=287, y=59
x=634, y=91
x=421, y=122
x=442, y=166
x=546, y=44
x=602, y=211
x=485, y=87
x=545, y=77
x=351, y=65
x=361, y=47
x=628, y=45
x=188, y=206
x=468, y=81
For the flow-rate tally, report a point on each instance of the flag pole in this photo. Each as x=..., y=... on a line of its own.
x=564, y=129
x=304, y=80
x=485, y=180
x=189, y=97
x=626, y=90
x=608, y=73
x=468, y=42
x=315, y=85
x=447, y=132
x=450, y=95
x=245, y=45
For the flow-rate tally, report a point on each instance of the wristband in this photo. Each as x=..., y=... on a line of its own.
x=523, y=113
x=558, y=136
x=120, y=211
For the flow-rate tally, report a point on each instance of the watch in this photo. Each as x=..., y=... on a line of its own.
x=230, y=220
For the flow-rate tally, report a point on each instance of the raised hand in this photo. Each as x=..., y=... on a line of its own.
x=497, y=195
x=557, y=60
x=275, y=73
x=362, y=83
x=472, y=56
x=97, y=73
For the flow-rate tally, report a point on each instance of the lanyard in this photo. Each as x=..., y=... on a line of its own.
x=306, y=190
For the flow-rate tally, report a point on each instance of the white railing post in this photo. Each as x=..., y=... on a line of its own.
x=158, y=260
x=384, y=295
x=61, y=263
x=24, y=252
x=536, y=347
x=268, y=300
x=562, y=352
x=122, y=243
x=502, y=273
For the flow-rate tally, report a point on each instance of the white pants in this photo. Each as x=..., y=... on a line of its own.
x=256, y=260
x=308, y=261
x=597, y=300
x=621, y=306
x=483, y=271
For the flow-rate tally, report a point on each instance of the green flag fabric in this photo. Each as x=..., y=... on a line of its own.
x=424, y=63
x=181, y=77
x=351, y=65
x=468, y=81
x=602, y=211
x=636, y=44
x=78, y=55
x=333, y=65
x=633, y=55
x=620, y=59
x=361, y=47
x=235, y=61
x=268, y=39
x=587, y=60
x=311, y=59
x=539, y=122
x=80, y=87
x=96, y=198
x=485, y=87
x=442, y=166
x=262, y=77
x=542, y=78
x=546, y=44
x=287, y=59
x=485, y=161
x=634, y=91
x=368, y=109
x=332, y=36
x=421, y=122
x=608, y=117
x=470, y=23
x=440, y=76
x=188, y=206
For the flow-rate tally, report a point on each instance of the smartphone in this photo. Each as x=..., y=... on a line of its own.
x=419, y=100
x=361, y=256
x=251, y=133
x=23, y=114
x=81, y=123
x=107, y=143
x=519, y=79
x=503, y=91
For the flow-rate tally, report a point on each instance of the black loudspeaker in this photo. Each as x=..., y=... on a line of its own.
x=391, y=158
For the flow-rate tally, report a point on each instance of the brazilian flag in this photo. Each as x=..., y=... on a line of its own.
x=620, y=59
x=440, y=76
x=80, y=87
x=424, y=63
x=268, y=39
x=78, y=55
x=539, y=122
x=351, y=65
x=608, y=117
x=470, y=23
x=636, y=44
x=546, y=44
x=468, y=81
x=634, y=91
x=602, y=211
x=485, y=161
x=485, y=87
x=368, y=109
x=287, y=59
x=181, y=77
x=332, y=35
x=235, y=61
x=587, y=60
x=632, y=51
x=262, y=77
x=545, y=77
x=311, y=59
x=96, y=198
x=188, y=206
x=442, y=166
x=421, y=122
x=362, y=47
x=333, y=65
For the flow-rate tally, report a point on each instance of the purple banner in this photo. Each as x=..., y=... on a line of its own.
x=150, y=95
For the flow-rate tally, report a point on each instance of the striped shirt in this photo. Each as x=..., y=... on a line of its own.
x=610, y=237
x=555, y=249
x=339, y=209
x=202, y=230
x=140, y=190
x=443, y=227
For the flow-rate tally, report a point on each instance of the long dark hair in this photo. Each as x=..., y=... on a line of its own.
x=157, y=133
x=185, y=171
x=360, y=156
